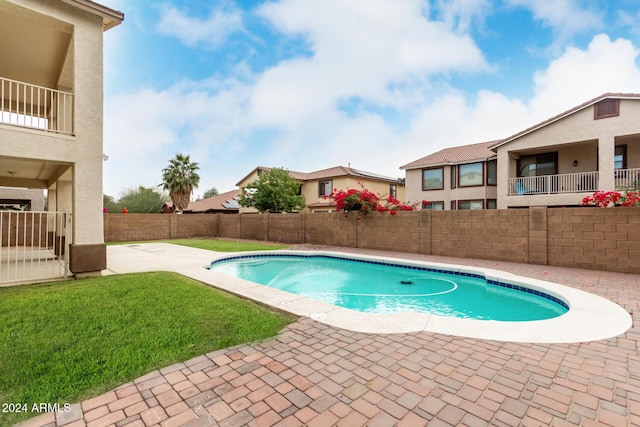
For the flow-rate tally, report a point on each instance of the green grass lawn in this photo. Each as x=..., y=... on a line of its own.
x=213, y=245
x=67, y=341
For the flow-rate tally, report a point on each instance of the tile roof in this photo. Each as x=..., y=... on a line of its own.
x=456, y=155
x=222, y=202
x=331, y=173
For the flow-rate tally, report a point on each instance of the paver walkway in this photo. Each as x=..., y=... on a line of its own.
x=315, y=375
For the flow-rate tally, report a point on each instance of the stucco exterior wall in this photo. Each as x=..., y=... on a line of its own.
x=579, y=127
x=83, y=151
x=78, y=190
x=309, y=189
x=447, y=194
x=34, y=197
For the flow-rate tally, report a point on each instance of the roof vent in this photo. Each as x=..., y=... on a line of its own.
x=606, y=108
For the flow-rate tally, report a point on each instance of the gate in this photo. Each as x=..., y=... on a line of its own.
x=34, y=246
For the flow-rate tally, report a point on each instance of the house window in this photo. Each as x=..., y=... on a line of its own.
x=470, y=175
x=492, y=172
x=325, y=188
x=433, y=206
x=393, y=191
x=454, y=205
x=454, y=176
x=538, y=165
x=606, y=108
x=432, y=179
x=492, y=204
x=470, y=204
x=620, y=157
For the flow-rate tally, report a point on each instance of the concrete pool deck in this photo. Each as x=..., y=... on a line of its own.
x=319, y=375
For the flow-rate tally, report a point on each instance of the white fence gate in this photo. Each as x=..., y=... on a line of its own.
x=34, y=246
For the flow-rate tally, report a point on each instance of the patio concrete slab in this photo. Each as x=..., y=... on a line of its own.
x=313, y=374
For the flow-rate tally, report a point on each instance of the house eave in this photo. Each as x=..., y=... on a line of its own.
x=110, y=17
x=564, y=115
x=439, y=164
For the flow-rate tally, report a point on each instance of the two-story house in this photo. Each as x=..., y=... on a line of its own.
x=593, y=146
x=51, y=111
x=462, y=177
x=315, y=186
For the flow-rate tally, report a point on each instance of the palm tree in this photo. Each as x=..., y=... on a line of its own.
x=180, y=178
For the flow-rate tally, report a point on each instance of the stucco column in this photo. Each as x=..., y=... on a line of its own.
x=606, y=153
x=88, y=253
x=59, y=234
x=504, y=163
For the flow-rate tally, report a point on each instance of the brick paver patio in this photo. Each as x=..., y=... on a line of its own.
x=315, y=375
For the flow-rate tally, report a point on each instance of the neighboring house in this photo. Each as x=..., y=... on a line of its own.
x=51, y=109
x=593, y=146
x=21, y=199
x=314, y=186
x=455, y=178
x=226, y=203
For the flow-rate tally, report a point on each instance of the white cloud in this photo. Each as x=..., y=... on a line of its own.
x=211, y=31
x=579, y=75
x=462, y=14
x=357, y=51
x=566, y=17
x=147, y=128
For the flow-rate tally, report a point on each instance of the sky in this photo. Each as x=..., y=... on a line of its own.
x=375, y=84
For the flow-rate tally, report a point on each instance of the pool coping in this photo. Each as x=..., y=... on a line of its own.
x=589, y=318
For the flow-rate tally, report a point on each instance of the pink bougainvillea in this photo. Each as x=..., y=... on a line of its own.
x=604, y=199
x=364, y=201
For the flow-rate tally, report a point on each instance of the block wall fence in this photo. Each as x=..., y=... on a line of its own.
x=590, y=238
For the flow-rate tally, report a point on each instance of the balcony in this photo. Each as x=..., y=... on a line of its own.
x=584, y=182
x=36, y=107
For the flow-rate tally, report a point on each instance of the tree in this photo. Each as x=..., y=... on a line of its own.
x=142, y=200
x=213, y=191
x=274, y=191
x=180, y=178
x=110, y=203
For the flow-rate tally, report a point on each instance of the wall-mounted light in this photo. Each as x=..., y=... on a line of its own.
x=575, y=163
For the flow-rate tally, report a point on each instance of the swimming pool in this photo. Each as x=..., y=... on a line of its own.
x=590, y=317
x=383, y=287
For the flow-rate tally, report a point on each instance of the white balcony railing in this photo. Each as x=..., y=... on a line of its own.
x=627, y=179
x=584, y=182
x=36, y=107
x=554, y=184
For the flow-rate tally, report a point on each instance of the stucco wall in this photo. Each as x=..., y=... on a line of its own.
x=82, y=150
x=592, y=238
x=447, y=194
x=579, y=127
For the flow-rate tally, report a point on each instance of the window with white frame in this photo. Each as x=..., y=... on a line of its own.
x=393, y=191
x=325, y=188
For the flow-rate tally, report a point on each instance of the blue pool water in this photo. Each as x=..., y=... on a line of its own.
x=380, y=287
